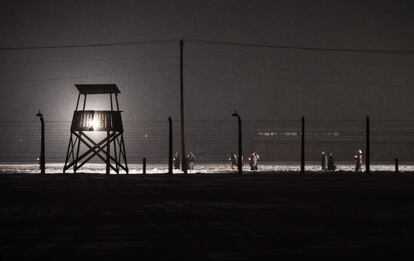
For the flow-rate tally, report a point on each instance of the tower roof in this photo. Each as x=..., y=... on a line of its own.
x=97, y=88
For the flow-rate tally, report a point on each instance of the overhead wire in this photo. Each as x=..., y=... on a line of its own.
x=69, y=46
x=214, y=42
x=89, y=75
x=87, y=60
x=282, y=61
x=299, y=79
x=303, y=48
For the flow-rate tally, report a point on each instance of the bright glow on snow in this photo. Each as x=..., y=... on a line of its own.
x=205, y=168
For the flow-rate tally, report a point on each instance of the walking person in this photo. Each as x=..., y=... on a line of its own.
x=233, y=159
x=190, y=160
x=254, y=157
x=358, y=160
x=177, y=160
x=323, y=161
x=331, y=164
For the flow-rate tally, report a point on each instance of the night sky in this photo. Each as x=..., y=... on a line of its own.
x=260, y=83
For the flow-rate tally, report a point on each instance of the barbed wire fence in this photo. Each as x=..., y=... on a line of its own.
x=277, y=141
x=213, y=141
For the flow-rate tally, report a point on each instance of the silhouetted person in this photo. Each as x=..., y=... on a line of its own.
x=233, y=159
x=254, y=157
x=331, y=164
x=323, y=161
x=190, y=160
x=177, y=160
x=358, y=160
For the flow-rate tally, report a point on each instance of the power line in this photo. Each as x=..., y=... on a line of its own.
x=229, y=43
x=87, y=76
x=318, y=49
x=301, y=79
x=87, y=60
x=11, y=48
x=274, y=61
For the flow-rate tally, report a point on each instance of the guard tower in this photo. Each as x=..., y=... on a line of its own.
x=86, y=122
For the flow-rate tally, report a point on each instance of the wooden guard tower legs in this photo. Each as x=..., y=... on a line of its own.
x=86, y=121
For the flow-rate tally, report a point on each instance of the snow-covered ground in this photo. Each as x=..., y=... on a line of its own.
x=199, y=168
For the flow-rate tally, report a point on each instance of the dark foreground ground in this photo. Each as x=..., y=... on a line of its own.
x=213, y=217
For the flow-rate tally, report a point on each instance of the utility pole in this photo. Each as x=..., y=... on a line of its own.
x=302, y=151
x=170, y=147
x=42, y=144
x=367, y=148
x=240, y=156
x=396, y=165
x=144, y=166
x=184, y=159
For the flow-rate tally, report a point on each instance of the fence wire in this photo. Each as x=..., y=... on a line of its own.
x=213, y=141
